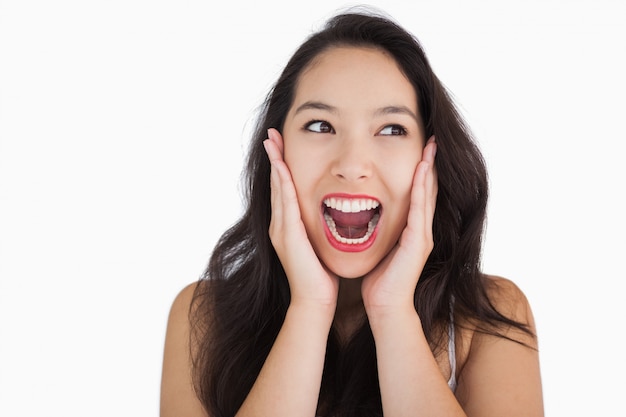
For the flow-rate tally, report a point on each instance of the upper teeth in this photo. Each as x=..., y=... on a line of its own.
x=351, y=205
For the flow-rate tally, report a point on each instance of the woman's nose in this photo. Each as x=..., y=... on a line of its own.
x=353, y=161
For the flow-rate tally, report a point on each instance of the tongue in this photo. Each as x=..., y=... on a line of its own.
x=351, y=225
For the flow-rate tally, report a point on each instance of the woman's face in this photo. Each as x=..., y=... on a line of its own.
x=353, y=138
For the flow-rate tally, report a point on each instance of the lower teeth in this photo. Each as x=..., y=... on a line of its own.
x=333, y=230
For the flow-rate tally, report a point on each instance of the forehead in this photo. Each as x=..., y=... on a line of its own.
x=364, y=75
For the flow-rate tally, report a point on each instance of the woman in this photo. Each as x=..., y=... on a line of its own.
x=351, y=285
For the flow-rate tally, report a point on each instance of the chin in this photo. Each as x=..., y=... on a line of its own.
x=350, y=269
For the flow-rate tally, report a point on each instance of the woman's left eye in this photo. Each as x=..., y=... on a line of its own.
x=392, y=130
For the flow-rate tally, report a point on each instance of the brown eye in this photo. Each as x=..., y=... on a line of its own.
x=393, y=130
x=319, y=126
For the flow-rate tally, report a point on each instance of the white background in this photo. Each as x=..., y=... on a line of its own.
x=123, y=126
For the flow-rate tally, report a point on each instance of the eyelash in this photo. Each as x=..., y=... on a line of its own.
x=321, y=122
x=402, y=130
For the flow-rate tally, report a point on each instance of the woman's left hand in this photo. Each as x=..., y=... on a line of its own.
x=391, y=285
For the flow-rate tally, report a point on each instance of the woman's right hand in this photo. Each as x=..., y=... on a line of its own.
x=310, y=282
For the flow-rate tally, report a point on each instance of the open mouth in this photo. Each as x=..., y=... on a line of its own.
x=351, y=221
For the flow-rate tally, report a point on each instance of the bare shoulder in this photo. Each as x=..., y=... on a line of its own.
x=509, y=300
x=182, y=304
x=177, y=393
x=182, y=301
x=501, y=374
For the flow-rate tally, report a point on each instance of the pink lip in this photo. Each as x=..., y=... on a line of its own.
x=344, y=247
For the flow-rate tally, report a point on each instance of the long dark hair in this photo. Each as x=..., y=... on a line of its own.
x=241, y=301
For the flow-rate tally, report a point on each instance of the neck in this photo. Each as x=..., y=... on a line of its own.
x=350, y=311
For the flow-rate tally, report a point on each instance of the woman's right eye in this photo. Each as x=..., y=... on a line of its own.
x=319, y=126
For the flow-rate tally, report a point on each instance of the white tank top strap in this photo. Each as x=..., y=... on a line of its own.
x=452, y=348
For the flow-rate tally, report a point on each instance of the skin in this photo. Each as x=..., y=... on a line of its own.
x=357, y=150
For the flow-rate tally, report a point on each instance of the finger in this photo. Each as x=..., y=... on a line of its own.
x=417, y=209
x=430, y=150
x=275, y=189
x=423, y=197
x=431, y=188
x=286, y=197
x=421, y=180
x=273, y=149
x=273, y=146
x=275, y=136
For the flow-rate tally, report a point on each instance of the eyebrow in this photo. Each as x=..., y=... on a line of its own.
x=318, y=105
x=396, y=110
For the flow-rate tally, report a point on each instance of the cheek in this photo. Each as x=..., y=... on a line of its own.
x=299, y=169
x=305, y=164
x=295, y=162
x=305, y=174
x=400, y=175
x=399, y=178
